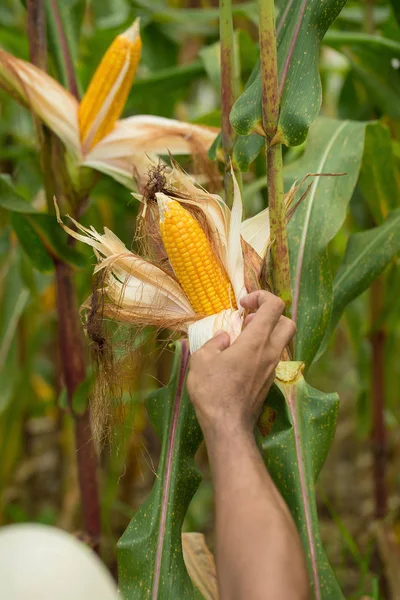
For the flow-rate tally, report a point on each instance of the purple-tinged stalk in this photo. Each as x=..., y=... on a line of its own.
x=270, y=110
x=69, y=68
x=73, y=367
x=228, y=91
x=378, y=432
x=70, y=338
x=168, y=466
x=36, y=26
x=36, y=29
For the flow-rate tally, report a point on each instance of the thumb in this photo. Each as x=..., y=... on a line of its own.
x=219, y=342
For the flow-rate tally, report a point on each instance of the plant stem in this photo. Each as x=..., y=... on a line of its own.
x=369, y=16
x=69, y=68
x=36, y=26
x=36, y=29
x=277, y=216
x=378, y=342
x=70, y=340
x=185, y=355
x=73, y=363
x=228, y=91
x=378, y=432
x=269, y=66
x=270, y=108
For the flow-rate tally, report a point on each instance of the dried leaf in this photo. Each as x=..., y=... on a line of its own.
x=200, y=564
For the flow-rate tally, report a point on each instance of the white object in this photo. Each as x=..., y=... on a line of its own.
x=38, y=562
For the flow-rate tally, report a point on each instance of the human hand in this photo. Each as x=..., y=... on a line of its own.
x=227, y=384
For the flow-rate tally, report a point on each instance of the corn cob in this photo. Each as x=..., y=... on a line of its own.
x=110, y=85
x=196, y=267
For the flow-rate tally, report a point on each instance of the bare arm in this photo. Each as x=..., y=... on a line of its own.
x=259, y=554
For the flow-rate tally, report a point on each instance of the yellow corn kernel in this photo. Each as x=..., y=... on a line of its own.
x=197, y=269
x=108, y=90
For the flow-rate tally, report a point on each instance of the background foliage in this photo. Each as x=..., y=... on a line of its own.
x=179, y=77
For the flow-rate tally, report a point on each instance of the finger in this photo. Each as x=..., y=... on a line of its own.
x=283, y=333
x=268, y=383
x=249, y=319
x=255, y=300
x=218, y=343
x=269, y=309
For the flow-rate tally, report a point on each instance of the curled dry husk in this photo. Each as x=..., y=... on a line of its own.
x=141, y=289
x=144, y=290
x=132, y=144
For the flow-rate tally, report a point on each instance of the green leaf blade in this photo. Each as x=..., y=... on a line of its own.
x=151, y=563
x=372, y=59
x=32, y=243
x=43, y=240
x=367, y=255
x=14, y=297
x=378, y=173
x=11, y=200
x=301, y=31
x=294, y=454
x=333, y=147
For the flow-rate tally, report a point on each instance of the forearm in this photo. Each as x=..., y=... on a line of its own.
x=257, y=542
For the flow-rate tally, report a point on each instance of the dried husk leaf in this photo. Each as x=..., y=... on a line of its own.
x=44, y=96
x=200, y=564
x=135, y=143
x=253, y=265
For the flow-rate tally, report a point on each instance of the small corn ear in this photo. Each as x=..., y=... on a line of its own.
x=108, y=90
x=192, y=258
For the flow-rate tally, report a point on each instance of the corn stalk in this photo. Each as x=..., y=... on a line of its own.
x=378, y=338
x=270, y=116
x=378, y=432
x=228, y=91
x=70, y=337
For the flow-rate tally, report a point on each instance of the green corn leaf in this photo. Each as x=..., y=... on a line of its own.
x=31, y=242
x=12, y=42
x=246, y=149
x=15, y=391
x=14, y=297
x=378, y=172
x=396, y=10
x=111, y=13
x=367, y=254
x=373, y=60
x=333, y=147
x=354, y=16
x=294, y=453
x=150, y=554
x=11, y=200
x=64, y=21
x=193, y=20
x=170, y=77
x=338, y=39
x=43, y=240
x=246, y=55
x=210, y=56
x=300, y=31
